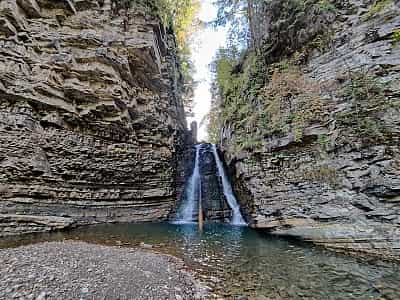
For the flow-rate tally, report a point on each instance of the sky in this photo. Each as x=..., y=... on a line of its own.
x=204, y=48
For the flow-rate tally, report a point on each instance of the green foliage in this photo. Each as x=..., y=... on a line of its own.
x=396, y=35
x=292, y=103
x=214, y=125
x=321, y=42
x=255, y=98
x=327, y=6
x=249, y=143
x=234, y=14
x=181, y=15
x=324, y=141
x=287, y=103
x=238, y=79
x=377, y=7
x=178, y=14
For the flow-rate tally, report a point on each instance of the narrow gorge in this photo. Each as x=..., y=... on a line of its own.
x=116, y=184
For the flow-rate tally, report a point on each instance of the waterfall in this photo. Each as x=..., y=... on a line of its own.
x=192, y=192
x=237, y=218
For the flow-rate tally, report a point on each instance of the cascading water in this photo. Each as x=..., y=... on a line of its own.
x=192, y=189
x=237, y=218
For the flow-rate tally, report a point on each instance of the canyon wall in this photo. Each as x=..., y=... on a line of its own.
x=91, y=119
x=331, y=173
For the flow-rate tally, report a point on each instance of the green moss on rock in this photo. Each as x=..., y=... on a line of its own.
x=376, y=8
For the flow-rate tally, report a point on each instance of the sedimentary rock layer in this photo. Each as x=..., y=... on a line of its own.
x=335, y=186
x=91, y=119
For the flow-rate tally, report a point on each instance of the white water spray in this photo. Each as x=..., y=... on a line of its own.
x=192, y=189
x=237, y=218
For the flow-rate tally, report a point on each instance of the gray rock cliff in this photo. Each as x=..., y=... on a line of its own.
x=339, y=184
x=91, y=119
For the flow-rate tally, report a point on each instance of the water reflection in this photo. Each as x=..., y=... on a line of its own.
x=240, y=261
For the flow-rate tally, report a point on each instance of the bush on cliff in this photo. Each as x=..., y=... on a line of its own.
x=256, y=103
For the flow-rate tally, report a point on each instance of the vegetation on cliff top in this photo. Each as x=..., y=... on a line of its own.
x=258, y=93
x=261, y=92
x=260, y=101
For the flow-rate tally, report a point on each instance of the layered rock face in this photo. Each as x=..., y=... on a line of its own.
x=339, y=185
x=91, y=120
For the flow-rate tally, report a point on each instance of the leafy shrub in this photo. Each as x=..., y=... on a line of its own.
x=255, y=110
x=327, y=6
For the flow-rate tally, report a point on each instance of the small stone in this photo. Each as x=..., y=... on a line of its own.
x=42, y=296
x=214, y=279
x=146, y=246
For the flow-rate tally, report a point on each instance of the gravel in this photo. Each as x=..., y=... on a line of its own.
x=78, y=270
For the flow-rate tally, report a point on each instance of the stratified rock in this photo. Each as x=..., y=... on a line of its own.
x=14, y=224
x=91, y=120
x=343, y=194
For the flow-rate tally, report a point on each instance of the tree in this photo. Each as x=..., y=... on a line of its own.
x=244, y=18
x=233, y=13
x=181, y=16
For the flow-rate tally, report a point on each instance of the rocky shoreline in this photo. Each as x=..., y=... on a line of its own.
x=78, y=270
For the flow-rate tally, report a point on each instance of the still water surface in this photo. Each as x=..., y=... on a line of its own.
x=239, y=261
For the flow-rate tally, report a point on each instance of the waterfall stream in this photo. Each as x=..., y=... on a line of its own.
x=192, y=193
x=237, y=218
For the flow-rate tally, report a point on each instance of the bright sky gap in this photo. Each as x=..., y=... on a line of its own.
x=204, y=48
